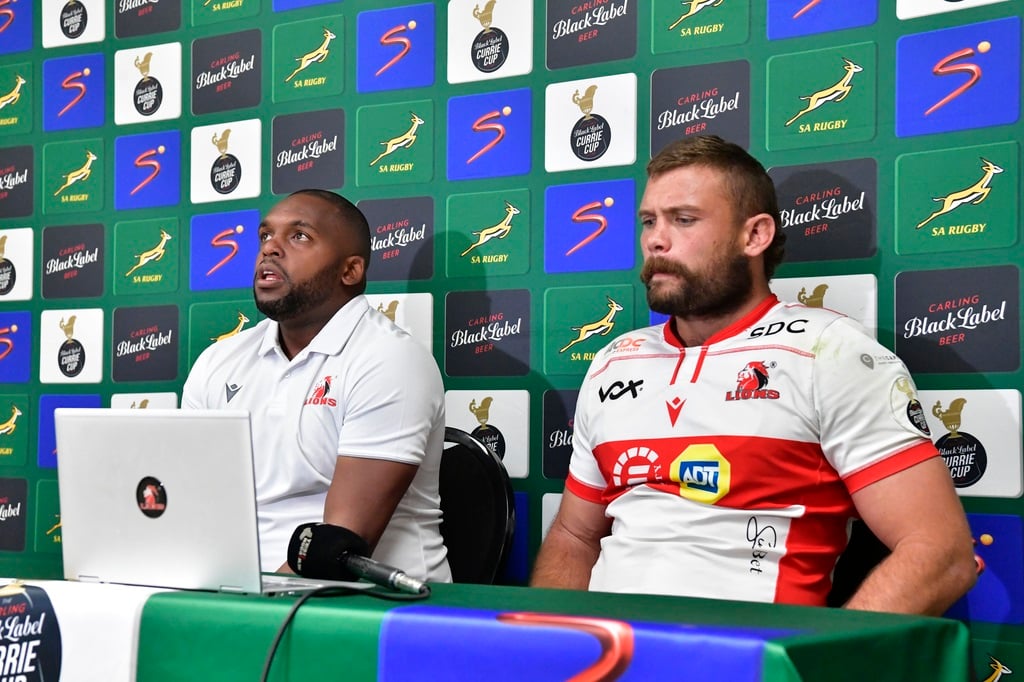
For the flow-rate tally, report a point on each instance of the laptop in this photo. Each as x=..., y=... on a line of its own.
x=163, y=498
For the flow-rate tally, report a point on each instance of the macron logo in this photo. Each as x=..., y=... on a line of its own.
x=230, y=390
x=674, y=406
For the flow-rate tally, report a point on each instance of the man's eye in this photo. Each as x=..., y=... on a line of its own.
x=264, y=237
x=300, y=236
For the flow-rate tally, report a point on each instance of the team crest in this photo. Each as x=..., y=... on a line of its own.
x=151, y=497
x=491, y=46
x=752, y=382
x=591, y=135
x=148, y=93
x=8, y=273
x=321, y=394
x=914, y=410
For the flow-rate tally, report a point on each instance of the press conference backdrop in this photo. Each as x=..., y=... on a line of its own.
x=498, y=149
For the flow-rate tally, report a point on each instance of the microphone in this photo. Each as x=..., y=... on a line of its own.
x=325, y=551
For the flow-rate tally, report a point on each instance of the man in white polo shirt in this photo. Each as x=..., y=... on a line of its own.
x=347, y=409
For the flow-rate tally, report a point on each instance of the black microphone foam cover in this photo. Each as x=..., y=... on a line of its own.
x=316, y=550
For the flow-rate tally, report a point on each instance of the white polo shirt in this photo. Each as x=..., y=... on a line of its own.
x=362, y=388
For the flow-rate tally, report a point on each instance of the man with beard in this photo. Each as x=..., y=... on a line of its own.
x=725, y=453
x=347, y=409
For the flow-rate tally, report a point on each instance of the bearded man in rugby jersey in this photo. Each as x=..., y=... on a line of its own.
x=755, y=430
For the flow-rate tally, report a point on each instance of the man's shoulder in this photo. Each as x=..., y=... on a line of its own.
x=795, y=320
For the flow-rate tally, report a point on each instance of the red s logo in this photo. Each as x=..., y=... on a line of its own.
x=71, y=83
x=484, y=123
x=943, y=68
x=145, y=160
x=7, y=12
x=221, y=239
x=581, y=215
x=392, y=37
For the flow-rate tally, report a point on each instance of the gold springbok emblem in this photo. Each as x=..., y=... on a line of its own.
x=404, y=140
x=242, y=319
x=153, y=254
x=499, y=231
x=975, y=194
x=602, y=326
x=833, y=93
x=14, y=95
x=9, y=426
x=317, y=55
x=79, y=174
x=694, y=6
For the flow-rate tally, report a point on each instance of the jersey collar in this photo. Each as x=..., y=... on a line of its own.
x=748, y=320
x=331, y=339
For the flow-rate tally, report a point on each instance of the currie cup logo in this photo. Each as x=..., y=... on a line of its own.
x=8, y=273
x=591, y=135
x=915, y=412
x=963, y=453
x=490, y=47
x=71, y=354
x=485, y=433
x=148, y=93
x=73, y=19
x=226, y=172
x=815, y=299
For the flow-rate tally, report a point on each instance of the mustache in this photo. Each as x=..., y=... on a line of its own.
x=660, y=265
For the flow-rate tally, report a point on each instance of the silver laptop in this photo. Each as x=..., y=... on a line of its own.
x=163, y=498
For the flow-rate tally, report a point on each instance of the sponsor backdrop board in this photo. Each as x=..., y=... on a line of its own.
x=498, y=150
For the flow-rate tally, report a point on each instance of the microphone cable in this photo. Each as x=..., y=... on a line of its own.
x=331, y=591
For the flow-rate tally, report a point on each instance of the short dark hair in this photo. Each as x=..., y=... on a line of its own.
x=752, y=189
x=351, y=218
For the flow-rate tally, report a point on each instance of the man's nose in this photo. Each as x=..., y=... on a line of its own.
x=655, y=238
x=270, y=246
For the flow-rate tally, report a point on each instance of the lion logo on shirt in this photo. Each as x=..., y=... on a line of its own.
x=321, y=393
x=752, y=377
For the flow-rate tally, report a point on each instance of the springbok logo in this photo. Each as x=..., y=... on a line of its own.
x=14, y=95
x=151, y=255
x=499, y=231
x=79, y=174
x=9, y=426
x=975, y=194
x=692, y=7
x=394, y=37
x=998, y=670
x=816, y=299
x=317, y=55
x=602, y=326
x=833, y=93
x=403, y=141
x=242, y=319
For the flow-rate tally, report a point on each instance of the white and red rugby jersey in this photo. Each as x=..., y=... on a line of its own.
x=727, y=468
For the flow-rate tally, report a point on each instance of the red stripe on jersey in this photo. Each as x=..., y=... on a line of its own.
x=891, y=465
x=582, y=490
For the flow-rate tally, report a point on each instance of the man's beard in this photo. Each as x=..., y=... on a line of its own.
x=301, y=297
x=720, y=291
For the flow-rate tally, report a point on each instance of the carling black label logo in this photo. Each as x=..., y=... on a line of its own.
x=17, y=173
x=226, y=72
x=401, y=237
x=145, y=343
x=73, y=261
x=29, y=634
x=959, y=321
x=145, y=17
x=13, y=514
x=710, y=99
x=829, y=210
x=559, y=407
x=590, y=31
x=309, y=150
x=487, y=333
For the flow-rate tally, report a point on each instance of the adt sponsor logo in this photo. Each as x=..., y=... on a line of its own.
x=15, y=346
x=590, y=226
x=791, y=18
x=489, y=135
x=15, y=26
x=74, y=92
x=224, y=250
x=147, y=170
x=396, y=48
x=958, y=78
x=47, y=453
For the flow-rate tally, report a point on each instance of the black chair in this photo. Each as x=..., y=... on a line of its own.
x=862, y=554
x=478, y=507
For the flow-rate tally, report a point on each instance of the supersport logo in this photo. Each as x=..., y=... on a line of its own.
x=485, y=123
x=582, y=215
x=145, y=160
x=72, y=83
x=392, y=37
x=943, y=68
x=221, y=239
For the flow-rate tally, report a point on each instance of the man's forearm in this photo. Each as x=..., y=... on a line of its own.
x=564, y=561
x=917, y=579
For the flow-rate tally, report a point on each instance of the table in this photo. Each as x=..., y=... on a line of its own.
x=467, y=632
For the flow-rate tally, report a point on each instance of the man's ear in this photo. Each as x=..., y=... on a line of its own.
x=758, y=233
x=353, y=271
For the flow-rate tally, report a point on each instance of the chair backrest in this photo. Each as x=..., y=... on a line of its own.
x=478, y=507
x=860, y=557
